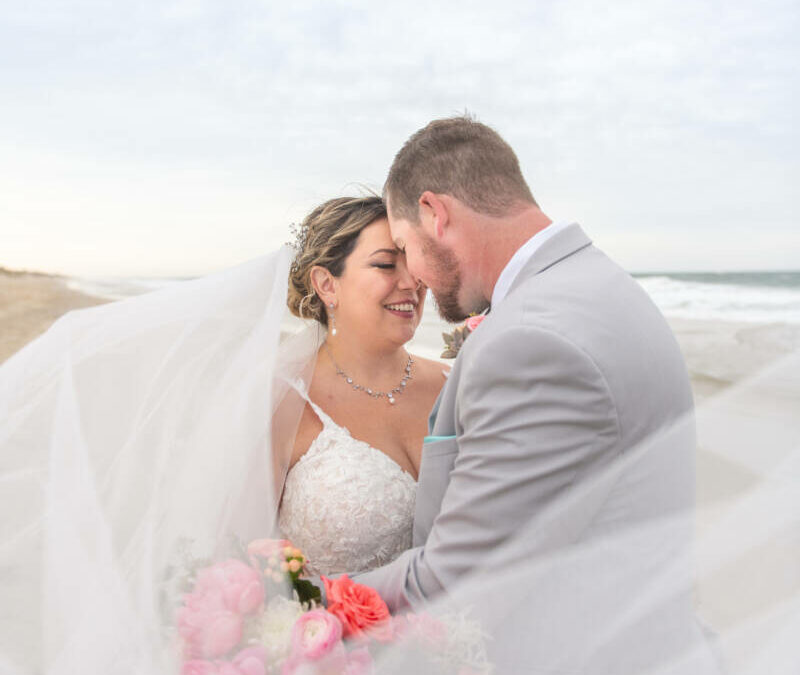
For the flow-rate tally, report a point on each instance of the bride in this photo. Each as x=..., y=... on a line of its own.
x=143, y=436
x=348, y=498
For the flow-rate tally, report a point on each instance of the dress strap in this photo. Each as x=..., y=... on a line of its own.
x=299, y=386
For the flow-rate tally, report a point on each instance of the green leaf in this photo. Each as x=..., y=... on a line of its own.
x=448, y=339
x=449, y=354
x=306, y=591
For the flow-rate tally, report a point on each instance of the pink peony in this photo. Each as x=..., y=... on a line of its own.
x=227, y=668
x=474, y=321
x=333, y=664
x=316, y=634
x=361, y=609
x=209, y=633
x=199, y=667
x=359, y=662
x=316, y=645
x=238, y=585
x=210, y=622
x=251, y=661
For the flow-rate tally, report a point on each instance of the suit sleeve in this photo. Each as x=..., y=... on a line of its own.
x=537, y=423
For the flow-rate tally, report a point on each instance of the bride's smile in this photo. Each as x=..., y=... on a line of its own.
x=406, y=310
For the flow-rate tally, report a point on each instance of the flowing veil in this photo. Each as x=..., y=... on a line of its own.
x=135, y=436
x=139, y=436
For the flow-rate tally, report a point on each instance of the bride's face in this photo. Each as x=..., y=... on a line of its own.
x=378, y=299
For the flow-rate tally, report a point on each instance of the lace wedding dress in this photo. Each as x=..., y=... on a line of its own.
x=348, y=506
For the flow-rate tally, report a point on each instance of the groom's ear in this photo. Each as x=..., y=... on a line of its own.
x=434, y=213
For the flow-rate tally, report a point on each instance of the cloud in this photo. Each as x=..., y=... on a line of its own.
x=626, y=115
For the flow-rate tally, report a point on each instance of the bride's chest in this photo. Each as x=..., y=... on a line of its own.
x=397, y=433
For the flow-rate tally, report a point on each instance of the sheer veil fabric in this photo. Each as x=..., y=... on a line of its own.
x=140, y=434
x=715, y=589
x=136, y=435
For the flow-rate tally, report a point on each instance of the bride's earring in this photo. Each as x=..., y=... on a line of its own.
x=332, y=319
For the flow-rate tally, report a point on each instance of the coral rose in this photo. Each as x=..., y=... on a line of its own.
x=361, y=610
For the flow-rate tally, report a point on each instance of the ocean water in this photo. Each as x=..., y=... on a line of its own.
x=752, y=297
x=118, y=288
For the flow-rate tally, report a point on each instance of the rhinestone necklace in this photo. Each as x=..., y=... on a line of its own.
x=390, y=395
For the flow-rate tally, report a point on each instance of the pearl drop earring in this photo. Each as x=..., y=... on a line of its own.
x=333, y=319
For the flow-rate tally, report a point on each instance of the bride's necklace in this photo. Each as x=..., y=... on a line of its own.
x=399, y=389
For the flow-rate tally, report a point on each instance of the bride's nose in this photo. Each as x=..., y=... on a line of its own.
x=406, y=280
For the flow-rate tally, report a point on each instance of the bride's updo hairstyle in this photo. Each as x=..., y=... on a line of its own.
x=326, y=238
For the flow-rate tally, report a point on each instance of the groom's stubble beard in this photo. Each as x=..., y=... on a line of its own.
x=444, y=265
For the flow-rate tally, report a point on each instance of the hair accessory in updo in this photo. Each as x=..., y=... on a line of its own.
x=299, y=233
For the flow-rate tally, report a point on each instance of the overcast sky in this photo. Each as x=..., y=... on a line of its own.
x=171, y=138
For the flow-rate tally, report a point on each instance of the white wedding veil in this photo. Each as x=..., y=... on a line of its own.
x=141, y=435
x=136, y=436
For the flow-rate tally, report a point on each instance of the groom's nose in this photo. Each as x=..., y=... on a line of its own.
x=411, y=263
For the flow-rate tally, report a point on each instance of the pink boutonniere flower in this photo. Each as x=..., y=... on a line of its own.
x=454, y=340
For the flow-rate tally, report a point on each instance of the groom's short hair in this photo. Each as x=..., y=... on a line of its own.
x=461, y=157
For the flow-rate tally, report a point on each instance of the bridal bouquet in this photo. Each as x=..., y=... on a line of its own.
x=258, y=615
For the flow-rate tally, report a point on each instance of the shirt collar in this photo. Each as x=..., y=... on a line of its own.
x=522, y=255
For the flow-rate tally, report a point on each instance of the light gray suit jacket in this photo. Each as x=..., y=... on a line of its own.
x=545, y=416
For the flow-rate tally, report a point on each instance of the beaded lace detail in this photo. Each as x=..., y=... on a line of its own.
x=348, y=506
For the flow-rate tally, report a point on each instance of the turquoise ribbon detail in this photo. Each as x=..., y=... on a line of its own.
x=433, y=439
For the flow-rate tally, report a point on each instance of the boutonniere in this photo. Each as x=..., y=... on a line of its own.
x=454, y=340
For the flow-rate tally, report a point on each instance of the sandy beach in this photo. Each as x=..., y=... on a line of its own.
x=29, y=303
x=721, y=353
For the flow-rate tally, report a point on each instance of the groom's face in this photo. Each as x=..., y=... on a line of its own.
x=432, y=263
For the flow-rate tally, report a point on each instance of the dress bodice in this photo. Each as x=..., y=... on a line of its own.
x=348, y=506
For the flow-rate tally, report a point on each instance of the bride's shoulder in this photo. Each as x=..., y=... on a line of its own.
x=431, y=373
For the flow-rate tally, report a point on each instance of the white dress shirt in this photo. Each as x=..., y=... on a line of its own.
x=522, y=256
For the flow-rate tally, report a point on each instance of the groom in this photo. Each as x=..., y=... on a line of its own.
x=537, y=438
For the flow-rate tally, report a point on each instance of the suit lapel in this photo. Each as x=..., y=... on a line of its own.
x=442, y=418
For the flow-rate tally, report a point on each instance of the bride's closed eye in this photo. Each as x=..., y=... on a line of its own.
x=385, y=266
